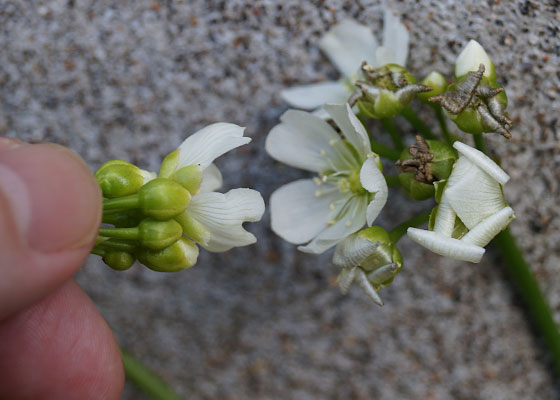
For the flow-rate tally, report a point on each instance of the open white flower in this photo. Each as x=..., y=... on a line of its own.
x=214, y=220
x=349, y=191
x=347, y=44
x=471, y=211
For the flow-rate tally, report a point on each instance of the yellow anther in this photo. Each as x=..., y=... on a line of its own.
x=318, y=193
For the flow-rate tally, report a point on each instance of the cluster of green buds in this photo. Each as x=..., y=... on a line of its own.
x=385, y=91
x=476, y=102
x=143, y=210
x=423, y=165
x=370, y=258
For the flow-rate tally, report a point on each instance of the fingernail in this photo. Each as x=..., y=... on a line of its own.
x=54, y=200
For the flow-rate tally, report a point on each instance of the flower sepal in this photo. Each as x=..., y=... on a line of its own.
x=180, y=255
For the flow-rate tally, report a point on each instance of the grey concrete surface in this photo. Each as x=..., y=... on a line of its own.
x=116, y=79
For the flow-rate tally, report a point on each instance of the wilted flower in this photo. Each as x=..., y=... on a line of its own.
x=347, y=45
x=349, y=190
x=369, y=258
x=471, y=208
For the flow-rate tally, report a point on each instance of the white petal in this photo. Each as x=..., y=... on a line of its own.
x=445, y=218
x=211, y=179
x=470, y=58
x=445, y=246
x=382, y=274
x=347, y=44
x=484, y=162
x=204, y=146
x=315, y=95
x=345, y=279
x=147, y=175
x=485, y=231
x=306, y=141
x=366, y=286
x=353, y=250
x=224, y=214
x=351, y=127
x=352, y=220
x=474, y=196
x=395, y=41
x=297, y=214
x=373, y=181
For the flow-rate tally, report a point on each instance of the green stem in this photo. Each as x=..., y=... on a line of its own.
x=385, y=151
x=539, y=309
x=443, y=126
x=415, y=221
x=409, y=114
x=392, y=180
x=121, y=203
x=390, y=127
x=120, y=233
x=146, y=380
x=116, y=244
x=479, y=142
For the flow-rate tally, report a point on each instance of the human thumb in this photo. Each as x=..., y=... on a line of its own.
x=50, y=211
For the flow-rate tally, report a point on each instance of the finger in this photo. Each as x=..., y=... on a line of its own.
x=50, y=210
x=59, y=348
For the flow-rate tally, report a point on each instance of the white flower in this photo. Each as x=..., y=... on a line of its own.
x=212, y=219
x=349, y=191
x=347, y=44
x=472, y=209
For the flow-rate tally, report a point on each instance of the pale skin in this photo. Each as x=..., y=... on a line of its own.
x=54, y=344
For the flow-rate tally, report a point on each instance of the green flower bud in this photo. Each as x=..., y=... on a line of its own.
x=424, y=163
x=370, y=258
x=157, y=235
x=180, y=255
x=190, y=177
x=470, y=59
x=163, y=199
x=386, y=91
x=119, y=260
x=119, y=178
x=437, y=82
x=169, y=164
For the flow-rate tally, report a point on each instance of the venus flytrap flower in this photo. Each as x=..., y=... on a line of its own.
x=369, y=258
x=349, y=190
x=158, y=219
x=476, y=102
x=471, y=208
x=347, y=45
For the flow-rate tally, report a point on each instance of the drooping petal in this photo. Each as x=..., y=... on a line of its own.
x=223, y=216
x=482, y=161
x=309, y=97
x=345, y=279
x=485, y=231
x=474, y=196
x=445, y=218
x=353, y=250
x=297, y=214
x=395, y=41
x=204, y=146
x=373, y=181
x=347, y=44
x=211, y=179
x=306, y=141
x=366, y=286
x=351, y=127
x=445, y=246
x=351, y=220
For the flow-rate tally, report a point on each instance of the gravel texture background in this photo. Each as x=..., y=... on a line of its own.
x=115, y=79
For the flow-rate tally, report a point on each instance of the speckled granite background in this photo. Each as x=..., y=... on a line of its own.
x=115, y=79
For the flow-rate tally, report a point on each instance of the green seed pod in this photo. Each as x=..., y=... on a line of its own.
x=190, y=177
x=119, y=260
x=119, y=178
x=437, y=82
x=180, y=255
x=163, y=199
x=386, y=91
x=157, y=235
x=432, y=161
